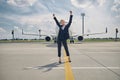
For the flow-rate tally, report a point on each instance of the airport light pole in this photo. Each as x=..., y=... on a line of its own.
x=12, y=34
x=39, y=34
x=116, y=33
x=82, y=14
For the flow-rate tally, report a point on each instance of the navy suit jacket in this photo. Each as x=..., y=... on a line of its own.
x=63, y=34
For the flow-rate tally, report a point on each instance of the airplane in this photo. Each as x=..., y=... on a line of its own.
x=53, y=36
x=81, y=37
x=47, y=38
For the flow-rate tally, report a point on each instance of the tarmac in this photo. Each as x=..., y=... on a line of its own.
x=39, y=61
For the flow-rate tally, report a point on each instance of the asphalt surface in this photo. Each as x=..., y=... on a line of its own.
x=39, y=61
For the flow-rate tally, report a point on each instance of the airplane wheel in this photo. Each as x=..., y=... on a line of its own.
x=71, y=41
x=55, y=41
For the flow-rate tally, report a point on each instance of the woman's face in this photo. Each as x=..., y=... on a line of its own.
x=62, y=22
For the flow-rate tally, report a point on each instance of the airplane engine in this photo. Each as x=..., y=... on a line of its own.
x=80, y=38
x=47, y=38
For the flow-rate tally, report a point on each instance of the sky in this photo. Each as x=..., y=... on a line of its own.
x=32, y=15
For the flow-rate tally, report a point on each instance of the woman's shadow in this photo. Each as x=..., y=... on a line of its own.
x=46, y=68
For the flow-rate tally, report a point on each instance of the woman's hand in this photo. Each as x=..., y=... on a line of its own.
x=53, y=15
x=70, y=12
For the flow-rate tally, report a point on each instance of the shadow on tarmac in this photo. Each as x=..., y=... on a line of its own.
x=46, y=67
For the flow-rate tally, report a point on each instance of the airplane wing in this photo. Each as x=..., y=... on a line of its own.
x=95, y=33
x=81, y=37
x=32, y=34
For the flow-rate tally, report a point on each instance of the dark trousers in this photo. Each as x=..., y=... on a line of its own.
x=65, y=47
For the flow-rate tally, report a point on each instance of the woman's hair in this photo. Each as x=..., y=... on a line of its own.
x=62, y=22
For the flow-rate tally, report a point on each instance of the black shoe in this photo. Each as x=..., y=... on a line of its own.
x=60, y=62
x=70, y=61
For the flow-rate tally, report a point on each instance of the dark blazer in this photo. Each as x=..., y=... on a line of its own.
x=63, y=34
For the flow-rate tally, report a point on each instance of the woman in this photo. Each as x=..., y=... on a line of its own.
x=63, y=35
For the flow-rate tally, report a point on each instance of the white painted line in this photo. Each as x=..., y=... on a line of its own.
x=89, y=68
x=102, y=52
x=75, y=68
x=95, y=67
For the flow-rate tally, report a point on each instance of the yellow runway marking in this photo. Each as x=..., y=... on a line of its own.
x=68, y=70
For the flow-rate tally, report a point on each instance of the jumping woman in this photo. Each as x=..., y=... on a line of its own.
x=63, y=35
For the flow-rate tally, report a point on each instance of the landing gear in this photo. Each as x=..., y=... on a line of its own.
x=55, y=40
x=71, y=41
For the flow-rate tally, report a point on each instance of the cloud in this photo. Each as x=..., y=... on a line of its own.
x=32, y=15
x=3, y=33
x=20, y=7
x=87, y=3
x=2, y=30
x=101, y=2
x=116, y=8
x=21, y=3
x=17, y=28
x=28, y=7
